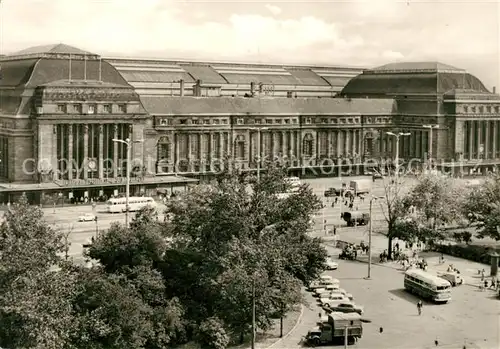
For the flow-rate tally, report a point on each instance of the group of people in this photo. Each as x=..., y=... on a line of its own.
x=349, y=201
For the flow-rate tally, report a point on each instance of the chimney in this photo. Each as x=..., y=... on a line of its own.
x=494, y=89
x=181, y=87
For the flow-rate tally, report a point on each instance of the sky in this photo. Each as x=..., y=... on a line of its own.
x=464, y=34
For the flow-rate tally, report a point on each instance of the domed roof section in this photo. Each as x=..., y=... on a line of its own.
x=53, y=50
x=412, y=67
x=411, y=78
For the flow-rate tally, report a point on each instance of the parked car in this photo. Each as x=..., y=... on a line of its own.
x=337, y=289
x=87, y=217
x=347, y=308
x=332, y=300
x=331, y=265
x=332, y=192
x=454, y=278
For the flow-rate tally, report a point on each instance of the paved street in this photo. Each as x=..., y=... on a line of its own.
x=471, y=318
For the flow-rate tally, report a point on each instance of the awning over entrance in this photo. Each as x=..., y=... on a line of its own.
x=95, y=183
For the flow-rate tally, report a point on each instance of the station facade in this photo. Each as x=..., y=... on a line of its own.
x=61, y=108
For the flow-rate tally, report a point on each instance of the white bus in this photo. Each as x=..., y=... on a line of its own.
x=427, y=285
x=134, y=203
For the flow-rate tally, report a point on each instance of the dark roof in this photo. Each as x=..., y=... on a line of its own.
x=48, y=70
x=239, y=105
x=465, y=93
x=204, y=73
x=270, y=79
x=415, y=67
x=307, y=77
x=54, y=48
x=372, y=84
x=15, y=73
x=155, y=76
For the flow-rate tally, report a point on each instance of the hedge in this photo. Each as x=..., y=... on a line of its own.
x=476, y=253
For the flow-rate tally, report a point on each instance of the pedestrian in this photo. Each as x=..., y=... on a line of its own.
x=419, y=307
x=485, y=283
x=397, y=246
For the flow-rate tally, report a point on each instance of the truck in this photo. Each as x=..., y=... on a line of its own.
x=354, y=218
x=361, y=186
x=336, y=328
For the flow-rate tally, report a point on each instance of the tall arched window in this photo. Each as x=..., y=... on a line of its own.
x=308, y=145
x=164, y=149
x=239, y=147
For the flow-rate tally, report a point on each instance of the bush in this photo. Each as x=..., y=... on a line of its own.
x=476, y=253
x=212, y=334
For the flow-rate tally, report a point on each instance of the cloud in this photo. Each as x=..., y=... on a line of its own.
x=275, y=10
x=366, y=33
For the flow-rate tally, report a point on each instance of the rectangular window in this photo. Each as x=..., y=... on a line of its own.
x=195, y=122
x=488, y=109
x=61, y=108
x=224, y=121
x=183, y=121
x=92, y=108
x=216, y=121
x=206, y=121
x=269, y=121
x=287, y=121
x=122, y=108
x=77, y=108
x=106, y=108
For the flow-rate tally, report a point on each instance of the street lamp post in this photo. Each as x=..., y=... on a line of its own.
x=370, y=232
x=396, y=158
x=430, y=127
x=128, y=143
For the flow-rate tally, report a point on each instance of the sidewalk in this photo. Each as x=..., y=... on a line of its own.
x=468, y=269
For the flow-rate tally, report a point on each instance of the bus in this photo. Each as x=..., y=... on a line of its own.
x=427, y=285
x=134, y=203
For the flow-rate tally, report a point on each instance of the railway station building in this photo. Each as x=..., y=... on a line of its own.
x=61, y=108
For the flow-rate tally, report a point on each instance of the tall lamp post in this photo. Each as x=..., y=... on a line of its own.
x=128, y=143
x=370, y=232
x=396, y=157
x=430, y=127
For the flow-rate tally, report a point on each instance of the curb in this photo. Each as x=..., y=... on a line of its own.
x=291, y=330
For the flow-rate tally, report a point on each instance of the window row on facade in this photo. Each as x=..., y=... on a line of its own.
x=266, y=121
x=91, y=108
x=481, y=109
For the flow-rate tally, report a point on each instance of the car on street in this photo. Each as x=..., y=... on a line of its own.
x=337, y=289
x=331, y=265
x=331, y=192
x=87, y=217
x=332, y=300
x=347, y=308
x=454, y=278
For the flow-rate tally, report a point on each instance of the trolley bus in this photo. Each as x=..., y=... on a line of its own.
x=134, y=203
x=427, y=285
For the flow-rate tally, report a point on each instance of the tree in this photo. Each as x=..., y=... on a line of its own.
x=212, y=335
x=482, y=208
x=394, y=210
x=437, y=199
x=142, y=243
x=231, y=234
x=36, y=285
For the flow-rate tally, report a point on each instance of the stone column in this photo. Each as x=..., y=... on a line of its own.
x=298, y=149
x=470, y=123
x=115, y=151
x=495, y=137
x=221, y=146
x=177, y=144
x=284, y=144
x=189, y=150
x=487, y=146
x=478, y=137
x=85, y=151
x=70, y=152
x=101, y=152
